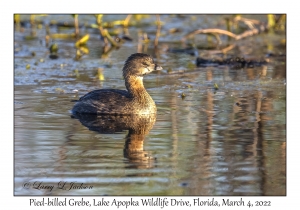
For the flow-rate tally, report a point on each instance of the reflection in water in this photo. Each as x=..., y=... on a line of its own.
x=225, y=142
x=137, y=125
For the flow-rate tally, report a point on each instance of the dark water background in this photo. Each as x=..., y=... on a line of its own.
x=229, y=141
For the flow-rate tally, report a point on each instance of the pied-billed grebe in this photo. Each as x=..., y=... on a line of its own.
x=121, y=102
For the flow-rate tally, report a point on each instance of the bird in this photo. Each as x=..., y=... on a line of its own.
x=133, y=101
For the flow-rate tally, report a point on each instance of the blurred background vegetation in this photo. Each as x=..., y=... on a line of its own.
x=219, y=32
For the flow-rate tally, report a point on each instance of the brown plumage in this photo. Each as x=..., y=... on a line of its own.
x=135, y=100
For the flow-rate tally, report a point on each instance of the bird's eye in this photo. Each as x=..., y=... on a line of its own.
x=145, y=64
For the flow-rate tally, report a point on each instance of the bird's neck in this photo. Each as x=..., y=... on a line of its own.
x=135, y=86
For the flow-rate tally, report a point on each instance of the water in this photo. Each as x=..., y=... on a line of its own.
x=225, y=141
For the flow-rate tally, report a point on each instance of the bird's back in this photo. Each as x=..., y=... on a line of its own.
x=104, y=101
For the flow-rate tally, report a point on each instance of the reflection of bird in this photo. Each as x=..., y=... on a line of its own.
x=137, y=125
x=135, y=100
